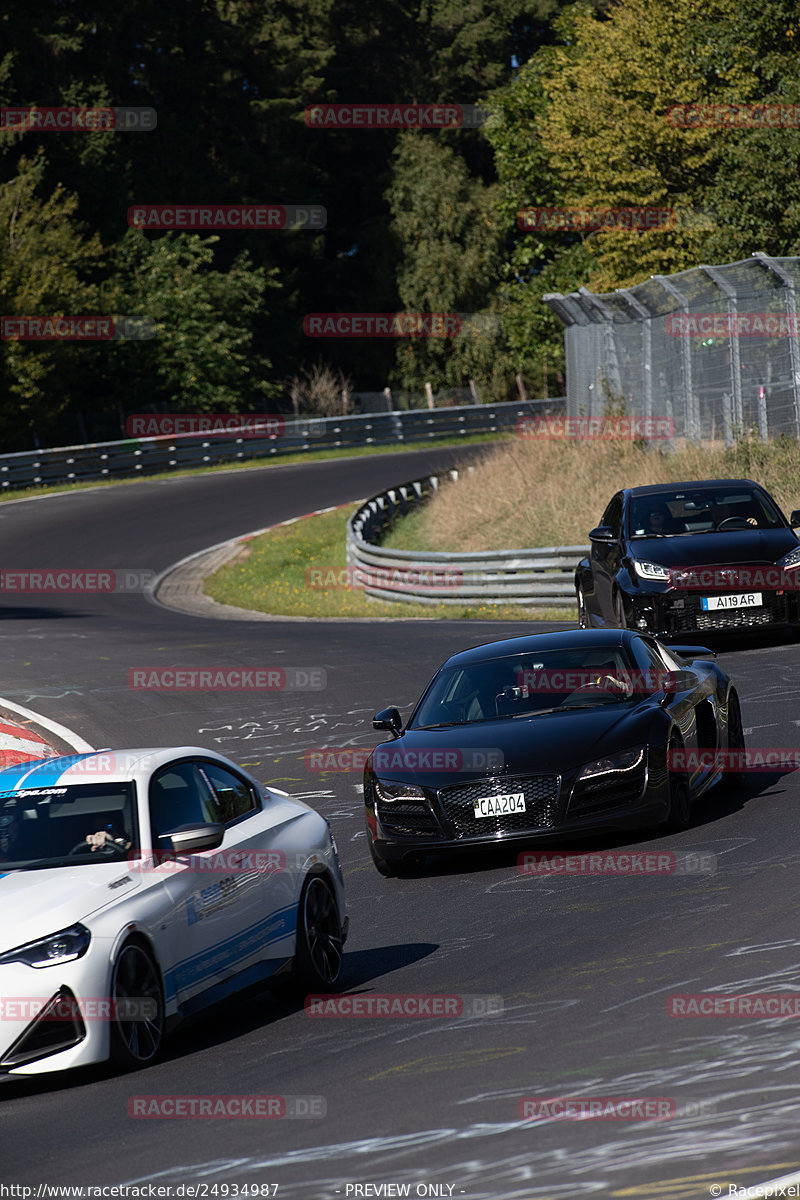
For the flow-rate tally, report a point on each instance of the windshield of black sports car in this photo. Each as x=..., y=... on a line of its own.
x=528, y=685
x=72, y=826
x=691, y=511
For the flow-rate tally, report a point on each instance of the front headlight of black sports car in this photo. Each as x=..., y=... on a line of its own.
x=627, y=760
x=653, y=572
x=390, y=791
x=610, y=782
x=792, y=559
x=57, y=948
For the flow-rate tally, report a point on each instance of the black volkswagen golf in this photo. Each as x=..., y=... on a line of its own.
x=683, y=558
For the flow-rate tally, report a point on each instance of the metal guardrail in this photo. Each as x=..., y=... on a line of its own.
x=531, y=577
x=147, y=456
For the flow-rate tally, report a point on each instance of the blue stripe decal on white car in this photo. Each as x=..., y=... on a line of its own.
x=231, y=950
x=41, y=773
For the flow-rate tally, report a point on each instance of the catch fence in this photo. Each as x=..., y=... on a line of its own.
x=715, y=349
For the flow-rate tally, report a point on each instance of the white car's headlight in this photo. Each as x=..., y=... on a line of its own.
x=627, y=760
x=390, y=792
x=648, y=570
x=792, y=559
x=60, y=947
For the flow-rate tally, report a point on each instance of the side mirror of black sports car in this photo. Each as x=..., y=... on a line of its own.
x=678, y=681
x=794, y=519
x=388, y=719
x=602, y=533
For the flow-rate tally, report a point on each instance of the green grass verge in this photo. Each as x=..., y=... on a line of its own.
x=273, y=574
x=268, y=461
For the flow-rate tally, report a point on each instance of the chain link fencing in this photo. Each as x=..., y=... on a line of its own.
x=714, y=349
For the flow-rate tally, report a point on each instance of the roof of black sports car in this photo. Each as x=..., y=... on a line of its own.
x=536, y=642
x=652, y=489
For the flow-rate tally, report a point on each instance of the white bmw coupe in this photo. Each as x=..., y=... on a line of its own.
x=140, y=886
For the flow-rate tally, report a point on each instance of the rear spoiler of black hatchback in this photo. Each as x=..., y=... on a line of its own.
x=691, y=651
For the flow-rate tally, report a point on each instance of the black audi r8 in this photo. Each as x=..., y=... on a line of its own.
x=685, y=558
x=550, y=735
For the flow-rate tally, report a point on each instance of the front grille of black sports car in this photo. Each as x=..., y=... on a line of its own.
x=692, y=619
x=410, y=817
x=541, y=804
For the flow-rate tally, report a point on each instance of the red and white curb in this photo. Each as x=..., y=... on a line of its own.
x=21, y=743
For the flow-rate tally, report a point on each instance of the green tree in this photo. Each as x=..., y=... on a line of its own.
x=201, y=358
x=47, y=264
x=450, y=246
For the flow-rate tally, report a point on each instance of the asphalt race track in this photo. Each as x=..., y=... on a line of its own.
x=583, y=965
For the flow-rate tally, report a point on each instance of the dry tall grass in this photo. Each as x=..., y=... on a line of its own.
x=548, y=493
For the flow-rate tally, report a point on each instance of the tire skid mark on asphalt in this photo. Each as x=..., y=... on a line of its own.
x=290, y=732
x=484, y=1173
x=765, y=947
x=455, y=1060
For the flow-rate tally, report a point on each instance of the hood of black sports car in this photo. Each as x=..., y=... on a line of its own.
x=732, y=547
x=557, y=742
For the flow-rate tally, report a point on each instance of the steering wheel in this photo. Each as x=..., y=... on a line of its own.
x=109, y=848
x=734, y=523
x=606, y=683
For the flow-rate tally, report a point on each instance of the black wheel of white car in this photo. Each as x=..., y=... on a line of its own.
x=318, y=956
x=137, y=1000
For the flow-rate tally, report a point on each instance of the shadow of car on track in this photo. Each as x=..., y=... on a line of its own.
x=250, y=1011
x=32, y=612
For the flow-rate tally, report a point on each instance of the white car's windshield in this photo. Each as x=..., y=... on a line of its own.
x=66, y=826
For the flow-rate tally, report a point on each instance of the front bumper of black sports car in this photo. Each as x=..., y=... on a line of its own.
x=443, y=819
x=671, y=612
